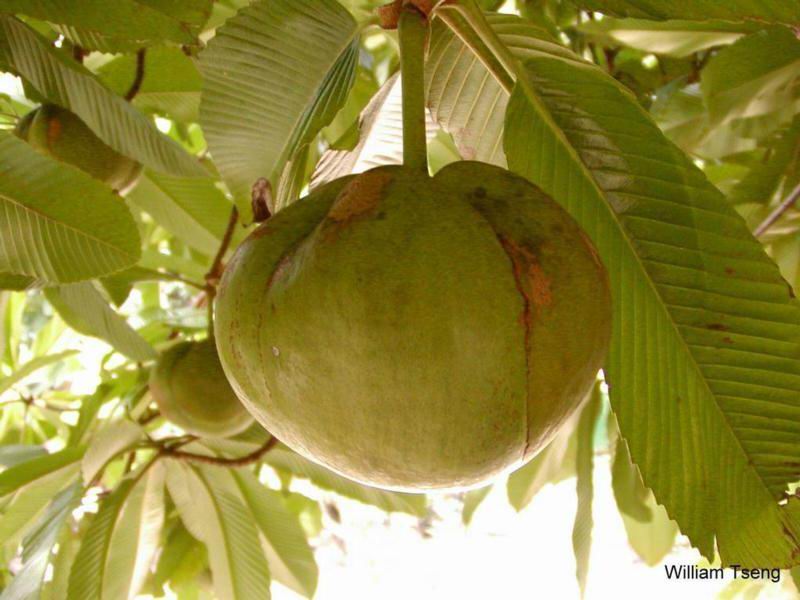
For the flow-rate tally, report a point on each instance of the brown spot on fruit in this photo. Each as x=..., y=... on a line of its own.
x=53, y=131
x=360, y=196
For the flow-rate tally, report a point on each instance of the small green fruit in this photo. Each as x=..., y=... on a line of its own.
x=61, y=134
x=191, y=390
x=412, y=332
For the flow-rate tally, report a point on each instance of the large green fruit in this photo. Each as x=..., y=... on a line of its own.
x=413, y=332
x=61, y=134
x=191, y=390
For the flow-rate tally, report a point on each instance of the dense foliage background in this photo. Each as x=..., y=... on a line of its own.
x=670, y=130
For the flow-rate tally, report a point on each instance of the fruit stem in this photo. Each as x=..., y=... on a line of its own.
x=215, y=272
x=413, y=32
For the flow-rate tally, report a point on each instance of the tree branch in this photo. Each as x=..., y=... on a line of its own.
x=776, y=214
x=138, y=77
x=221, y=461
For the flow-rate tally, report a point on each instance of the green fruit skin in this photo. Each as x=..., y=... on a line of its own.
x=416, y=333
x=61, y=134
x=190, y=389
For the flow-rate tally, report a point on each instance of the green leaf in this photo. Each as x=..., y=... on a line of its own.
x=84, y=310
x=703, y=370
x=380, y=139
x=757, y=75
x=304, y=53
x=629, y=491
x=121, y=541
x=554, y=463
x=13, y=454
x=181, y=560
x=777, y=175
x=211, y=507
x=673, y=38
x=295, y=464
x=29, y=500
x=32, y=366
x=24, y=473
x=171, y=84
x=107, y=443
x=38, y=546
x=653, y=539
x=64, y=81
x=132, y=23
x=291, y=560
x=582, y=527
x=16, y=283
x=57, y=223
x=193, y=209
x=472, y=500
x=770, y=11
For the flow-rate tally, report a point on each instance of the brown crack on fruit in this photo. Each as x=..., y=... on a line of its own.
x=361, y=196
x=528, y=270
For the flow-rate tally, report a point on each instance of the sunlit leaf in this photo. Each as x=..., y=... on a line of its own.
x=121, y=540
x=84, y=309
x=211, y=507
x=38, y=546
x=290, y=558
x=757, y=75
x=64, y=81
x=304, y=52
x=57, y=223
x=775, y=11
x=31, y=367
x=582, y=527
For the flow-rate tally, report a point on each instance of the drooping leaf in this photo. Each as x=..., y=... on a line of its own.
x=32, y=366
x=757, y=75
x=29, y=500
x=298, y=466
x=121, y=540
x=629, y=491
x=778, y=174
x=107, y=443
x=554, y=463
x=38, y=546
x=653, y=539
x=274, y=75
x=58, y=224
x=673, y=38
x=704, y=370
x=472, y=500
x=193, y=209
x=84, y=309
x=123, y=24
x=291, y=560
x=64, y=81
x=582, y=527
x=211, y=507
x=26, y=472
x=770, y=11
x=171, y=84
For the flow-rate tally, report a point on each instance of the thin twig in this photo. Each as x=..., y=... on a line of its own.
x=220, y=461
x=215, y=271
x=776, y=214
x=139, y=77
